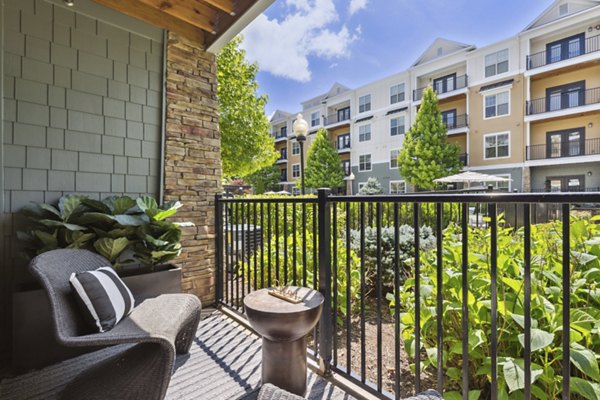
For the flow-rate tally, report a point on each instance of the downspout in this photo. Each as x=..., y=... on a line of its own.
x=2, y=229
x=163, y=128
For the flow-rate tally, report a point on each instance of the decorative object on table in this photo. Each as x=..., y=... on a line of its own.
x=283, y=326
x=285, y=293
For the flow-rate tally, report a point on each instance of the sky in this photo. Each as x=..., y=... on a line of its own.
x=303, y=46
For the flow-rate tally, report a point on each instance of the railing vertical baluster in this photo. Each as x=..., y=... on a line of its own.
x=378, y=216
x=237, y=255
x=416, y=209
x=225, y=233
x=243, y=252
x=285, y=247
x=294, y=245
x=304, y=244
x=277, y=237
x=255, y=249
x=218, y=249
x=494, y=294
x=439, y=299
x=269, y=244
x=324, y=271
x=262, y=245
x=396, y=303
x=566, y=300
x=333, y=249
x=527, y=295
x=362, y=294
x=465, y=299
x=348, y=294
x=315, y=250
x=248, y=248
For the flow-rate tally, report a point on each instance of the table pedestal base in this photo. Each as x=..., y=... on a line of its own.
x=284, y=364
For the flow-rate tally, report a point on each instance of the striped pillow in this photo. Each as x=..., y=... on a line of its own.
x=104, y=297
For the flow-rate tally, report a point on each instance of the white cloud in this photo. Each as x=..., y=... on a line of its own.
x=282, y=47
x=356, y=5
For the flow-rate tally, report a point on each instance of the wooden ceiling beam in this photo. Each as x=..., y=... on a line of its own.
x=224, y=5
x=154, y=16
x=193, y=12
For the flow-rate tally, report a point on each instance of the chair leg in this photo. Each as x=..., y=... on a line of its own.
x=186, y=335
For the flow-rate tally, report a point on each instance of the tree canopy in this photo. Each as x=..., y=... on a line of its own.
x=265, y=179
x=371, y=187
x=246, y=145
x=323, y=165
x=426, y=153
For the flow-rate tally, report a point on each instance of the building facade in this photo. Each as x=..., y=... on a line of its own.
x=525, y=108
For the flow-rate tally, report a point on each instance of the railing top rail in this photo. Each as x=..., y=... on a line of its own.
x=542, y=52
x=287, y=199
x=547, y=198
x=566, y=94
x=458, y=79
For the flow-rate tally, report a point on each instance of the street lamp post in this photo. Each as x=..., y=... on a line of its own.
x=300, y=128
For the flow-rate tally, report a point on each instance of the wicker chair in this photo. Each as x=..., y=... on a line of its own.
x=157, y=329
x=270, y=392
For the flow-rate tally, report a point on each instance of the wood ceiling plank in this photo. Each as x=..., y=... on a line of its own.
x=193, y=12
x=154, y=16
x=225, y=5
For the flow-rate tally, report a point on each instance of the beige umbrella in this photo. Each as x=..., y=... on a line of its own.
x=469, y=177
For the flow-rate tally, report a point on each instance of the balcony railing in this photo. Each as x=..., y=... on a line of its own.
x=537, y=60
x=459, y=121
x=563, y=101
x=459, y=277
x=279, y=136
x=563, y=149
x=460, y=82
x=337, y=117
x=344, y=145
x=464, y=159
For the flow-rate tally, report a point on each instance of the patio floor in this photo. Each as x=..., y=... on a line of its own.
x=224, y=363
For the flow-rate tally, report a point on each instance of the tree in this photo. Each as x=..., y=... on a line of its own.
x=264, y=179
x=426, y=154
x=323, y=165
x=371, y=188
x=246, y=145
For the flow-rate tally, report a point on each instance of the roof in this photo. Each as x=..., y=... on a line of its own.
x=336, y=89
x=440, y=48
x=552, y=13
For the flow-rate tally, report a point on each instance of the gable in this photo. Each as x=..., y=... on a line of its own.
x=336, y=89
x=278, y=115
x=440, y=48
x=561, y=9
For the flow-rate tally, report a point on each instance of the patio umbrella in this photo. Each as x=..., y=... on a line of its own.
x=284, y=192
x=469, y=177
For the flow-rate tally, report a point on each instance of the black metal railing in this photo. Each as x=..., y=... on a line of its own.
x=542, y=58
x=563, y=149
x=458, y=121
x=456, y=276
x=337, y=117
x=464, y=159
x=575, y=98
x=460, y=82
x=280, y=136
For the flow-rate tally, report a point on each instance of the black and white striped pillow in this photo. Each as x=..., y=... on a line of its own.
x=104, y=297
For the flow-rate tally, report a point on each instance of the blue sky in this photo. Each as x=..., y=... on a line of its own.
x=303, y=46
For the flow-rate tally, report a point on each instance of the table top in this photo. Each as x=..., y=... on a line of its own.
x=262, y=301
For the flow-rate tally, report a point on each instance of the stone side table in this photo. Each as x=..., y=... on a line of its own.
x=283, y=327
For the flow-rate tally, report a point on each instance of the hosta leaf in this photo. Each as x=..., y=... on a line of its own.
x=520, y=319
x=80, y=240
x=146, y=203
x=474, y=394
x=585, y=361
x=58, y=224
x=514, y=374
x=586, y=389
x=111, y=248
x=46, y=238
x=539, y=339
x=95, y=218
x=68, y=204
x=159, y=215
x=96, y=205
x=453, y=395
x=583, y=258
x=130, y=220
x=155, y=242
x=50, y=209
x=120, y=205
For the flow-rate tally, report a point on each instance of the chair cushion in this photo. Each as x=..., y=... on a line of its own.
x=103, y=297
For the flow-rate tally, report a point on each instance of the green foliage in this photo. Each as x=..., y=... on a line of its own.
x=426, y=154
x=246, y=145
x=323, y=165
x=546, y=310
x=264, y=179
x=371, y=187
x=111, y=227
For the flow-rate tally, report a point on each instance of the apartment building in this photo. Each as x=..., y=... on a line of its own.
x=526, y=108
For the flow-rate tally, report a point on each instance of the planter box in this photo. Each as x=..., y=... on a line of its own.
x=34, y=344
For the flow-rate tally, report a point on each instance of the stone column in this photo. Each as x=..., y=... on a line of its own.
x=193, y=158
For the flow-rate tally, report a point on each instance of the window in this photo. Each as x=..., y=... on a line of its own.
x=346, y=167
x=296, y=171
x=364, y=103
x=397, y=93
x=283, y=131
x=497, y=104
x=394, y=158
x=445, y=84
x=283, y=175
x=364, y=133
x=565, y=143
x=343, y=141
x=449, y=119
x=397, y=126
x=283, y=154
x=361, y=185
x=397, y=187
x=364, y=162
x=500, y=185
x=343, y=114
x=566, y=48
x=295, y=148
x=563, y=9
x=496, y=63
x=314, y=119
x=565, y=96
x=496, y=145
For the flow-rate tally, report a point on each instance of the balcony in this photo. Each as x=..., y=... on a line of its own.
x=578, y=148
x=343, y=143
x=456, y=122
x=459, y=83
x=280, y=137
x=563, y=101
x=338, y=117
x=543, y=58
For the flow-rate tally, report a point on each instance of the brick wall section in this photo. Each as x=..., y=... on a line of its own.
x=193, y=158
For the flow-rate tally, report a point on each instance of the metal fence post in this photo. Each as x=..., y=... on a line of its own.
x=324, y=251
x=218, y=248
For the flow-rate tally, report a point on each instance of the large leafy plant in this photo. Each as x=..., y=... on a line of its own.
x=119, y=228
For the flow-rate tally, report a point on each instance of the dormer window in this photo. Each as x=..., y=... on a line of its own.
x=563, y=9
x=440, y=51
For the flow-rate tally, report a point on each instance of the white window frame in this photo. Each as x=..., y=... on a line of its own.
x=299, y=171
x=496, y=93
x=495, y=184
x=398, y=126
x=398, y=181
x=370, y=162
x=364, y=106
x=496, y=134
x=403, y=91
x=370, y=132
x=295, y=148
x=313, y=119
x=485, y=64
x=397, y=154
